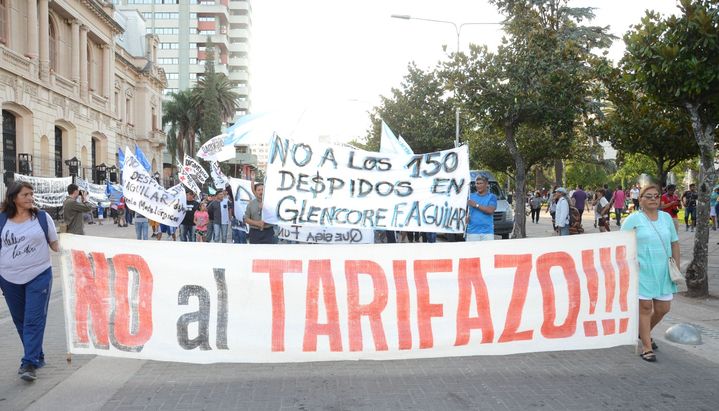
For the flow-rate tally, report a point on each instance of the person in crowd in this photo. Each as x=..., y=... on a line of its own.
x=618, y=199
x=713, y=207
x=429, y=237
x=634, y=195
x=155, y=226
x=100, y=213
x=552, y=207
x=480, y=219
x=220, y=214
x=166, y=229
x=141, y=227
x=608, y=193
x=187, y=228
x=689, y=201
x=129, y=215
x=201, y=220
x=657, y=240
x=562, y=211
x=260, y=232
x=601, y=210
x=580, y=200
x=670, y=204
x=28, y=235
x=73, y=208
x=121, y=209
x=535, y=206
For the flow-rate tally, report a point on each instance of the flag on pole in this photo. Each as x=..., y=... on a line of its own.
x=218, y=177
x=141, y=158
x=390, y=144
x=195, y=169
x=121, y=157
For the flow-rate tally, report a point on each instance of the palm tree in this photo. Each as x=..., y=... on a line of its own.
x=226, y=97
x=181, y=113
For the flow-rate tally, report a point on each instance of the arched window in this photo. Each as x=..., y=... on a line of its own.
x=53, y=45
x=3, y=21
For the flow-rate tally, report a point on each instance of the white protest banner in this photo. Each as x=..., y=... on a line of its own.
x=241, y=194
x=188, y=181
x=97, y=192
x=325, y=235
x=217, y=149
x=315, y=184
x=390, y=144
x=189, y=302
x=195, y=169
x=218, y=177
x=48, y=192
x=143, y=194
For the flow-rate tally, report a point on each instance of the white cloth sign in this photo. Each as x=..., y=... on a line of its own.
x=242, y=195
x=49, y=192
x=144, y=195
x=390, y=144
x=188, y=181
x=97, y=192
x=189, y=302
x=325, y=235
x=195, y=169
x=315, y=184
x=218, y=177
x=216, y=149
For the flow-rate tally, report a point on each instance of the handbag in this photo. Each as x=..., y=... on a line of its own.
x=674, y=272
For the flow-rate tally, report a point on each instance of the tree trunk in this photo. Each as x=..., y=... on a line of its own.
x=697, y=278
x=181, y=145
x=559, y=172
x=520, y=219
x=661, y=173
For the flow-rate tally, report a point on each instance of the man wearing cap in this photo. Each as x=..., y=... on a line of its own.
x=480, y=219
x=561, y=217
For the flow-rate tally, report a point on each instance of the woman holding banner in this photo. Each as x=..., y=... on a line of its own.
x=27, y=235
x=657, y=240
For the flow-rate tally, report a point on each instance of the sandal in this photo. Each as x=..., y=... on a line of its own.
x=648, y=356
x=654, y=345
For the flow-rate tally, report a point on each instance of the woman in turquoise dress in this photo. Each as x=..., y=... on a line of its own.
x=656, y=240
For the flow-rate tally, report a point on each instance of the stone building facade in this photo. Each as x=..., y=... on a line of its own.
x=76, y=81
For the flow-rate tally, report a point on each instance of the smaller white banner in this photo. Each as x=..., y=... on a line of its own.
x=218, y=177
x=143, y=194
x=49, y=192
x=195, y=169
x=242, y=195
x=188, y=181
x=326, y=235
x=215, y=149
x=97, y=192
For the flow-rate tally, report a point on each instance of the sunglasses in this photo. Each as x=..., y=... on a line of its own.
x=651, y=196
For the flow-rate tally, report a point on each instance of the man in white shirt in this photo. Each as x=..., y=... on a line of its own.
x=561, y=216
x=634, y=195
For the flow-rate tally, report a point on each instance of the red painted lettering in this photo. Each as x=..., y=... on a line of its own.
x=426, y=310
x=319, y=272
x=470, y=278
x=544, y=264
x=276, y=270
x=124, y=335
x=404, y=333
x=523, y=263
x=91, y=298
x=372, y=310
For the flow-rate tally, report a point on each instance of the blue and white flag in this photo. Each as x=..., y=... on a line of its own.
x=120, y=157
x=141, y=158
x=390, y=144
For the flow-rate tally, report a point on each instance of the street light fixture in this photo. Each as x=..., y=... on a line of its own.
x=458, y=31
x=73, y=165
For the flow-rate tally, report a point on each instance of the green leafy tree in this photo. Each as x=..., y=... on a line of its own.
x=539, y=78
x=418, y=110
x=637, y=123
x=180, y=113
x=676, y=61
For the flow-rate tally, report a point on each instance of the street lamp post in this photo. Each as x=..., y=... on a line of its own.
x=458, y=31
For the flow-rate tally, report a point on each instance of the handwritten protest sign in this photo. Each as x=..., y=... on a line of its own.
x=188, y=181
x=315, y=184
x=49, y=192
x=217, y=149
x=97, y=193
x=218, y=177
x=189, y=302
x=195, y=169
x=325, y=235
x=242, y=195
x=143, y=194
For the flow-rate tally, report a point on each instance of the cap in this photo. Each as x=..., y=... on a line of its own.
x=561, y=190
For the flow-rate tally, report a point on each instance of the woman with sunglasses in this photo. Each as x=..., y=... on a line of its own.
x=657, y=240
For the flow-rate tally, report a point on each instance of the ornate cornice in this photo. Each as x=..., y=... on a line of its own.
x=99, y=11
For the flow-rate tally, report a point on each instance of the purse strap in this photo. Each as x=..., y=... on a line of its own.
x=664, y=247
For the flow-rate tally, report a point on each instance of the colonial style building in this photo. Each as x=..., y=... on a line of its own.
x=78, y=79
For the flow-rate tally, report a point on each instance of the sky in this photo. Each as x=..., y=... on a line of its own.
x=330, y=60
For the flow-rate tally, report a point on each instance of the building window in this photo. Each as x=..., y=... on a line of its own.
x=53, y=46
x=166, y=16
x=90, y=76
x=206, y=18
x=207, y=32
x=169, y=46
x=3, y=21
x=172, y=76
x=168, y=60
x=147, y=16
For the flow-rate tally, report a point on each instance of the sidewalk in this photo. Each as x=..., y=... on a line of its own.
x=685, y=377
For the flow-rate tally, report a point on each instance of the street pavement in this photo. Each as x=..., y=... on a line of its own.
x=683, y=378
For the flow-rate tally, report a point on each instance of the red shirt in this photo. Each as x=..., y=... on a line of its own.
x=666, y=199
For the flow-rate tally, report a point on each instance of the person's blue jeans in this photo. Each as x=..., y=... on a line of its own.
x=28, y=308
x=219, y=233
x=564, y=230
x=239, y=236
x=128, y=216
x=187, y=233
x=141, y=229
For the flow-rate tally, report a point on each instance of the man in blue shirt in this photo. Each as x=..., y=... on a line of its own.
x=480, y=219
